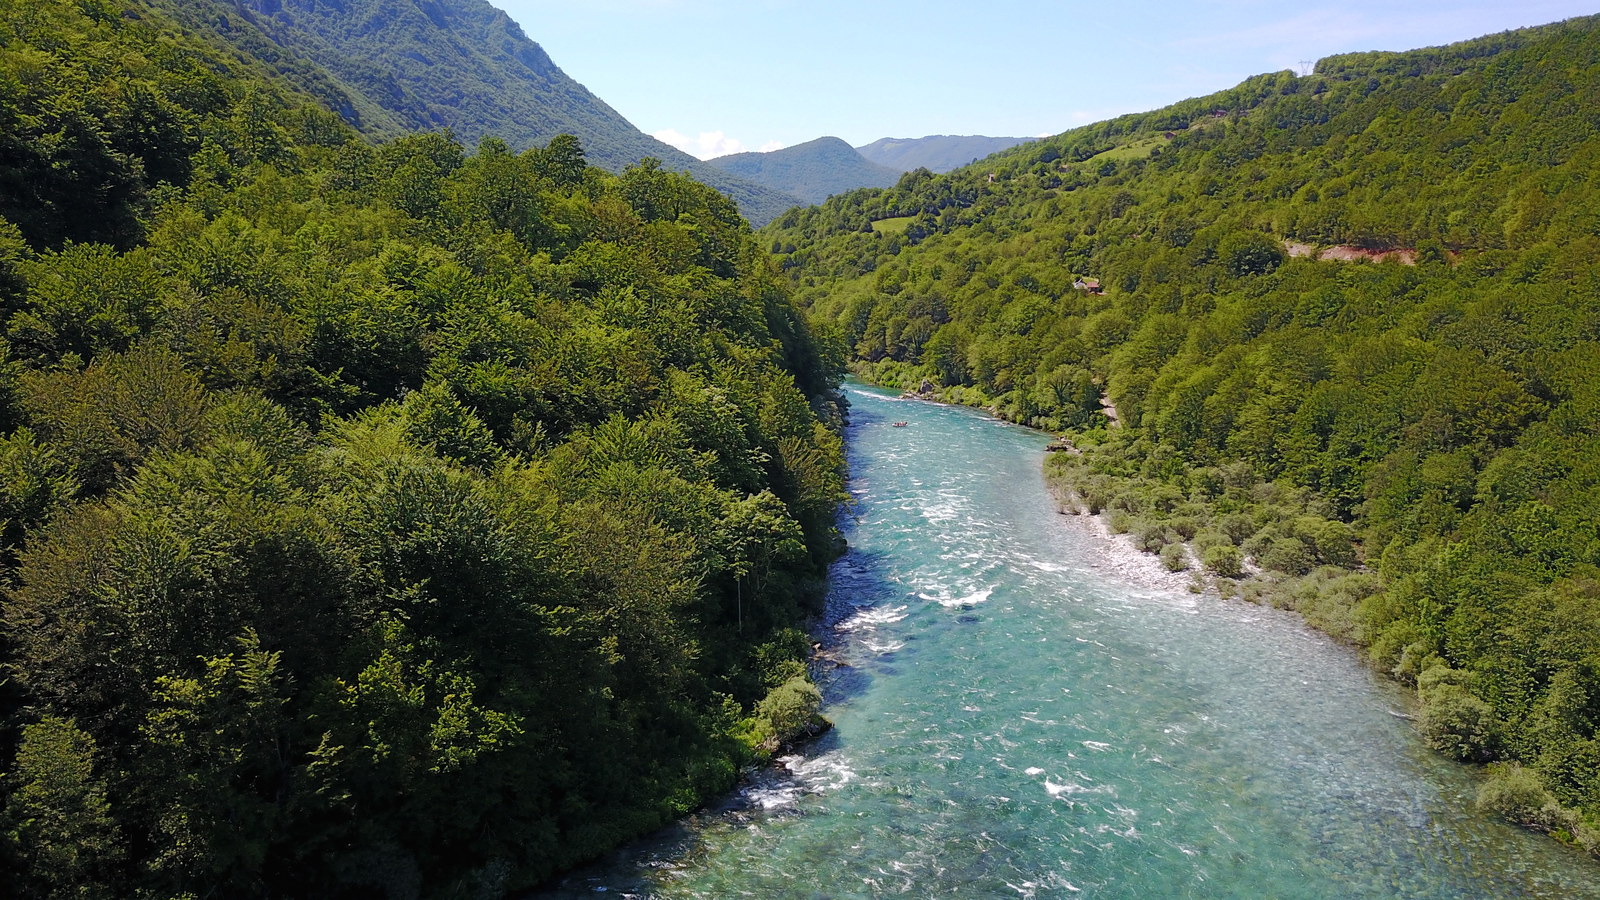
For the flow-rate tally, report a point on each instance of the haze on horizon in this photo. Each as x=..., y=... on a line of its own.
x=713, y=77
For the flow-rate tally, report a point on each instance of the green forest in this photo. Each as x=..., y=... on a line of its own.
x=1349, y=326
x=378, y=520
x=386, y=516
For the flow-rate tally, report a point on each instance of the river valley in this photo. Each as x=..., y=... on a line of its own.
x=1024, y=710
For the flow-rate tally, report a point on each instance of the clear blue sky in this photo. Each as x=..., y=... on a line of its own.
x=725, y=75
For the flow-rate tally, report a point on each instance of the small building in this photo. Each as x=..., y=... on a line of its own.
x=1088, y=285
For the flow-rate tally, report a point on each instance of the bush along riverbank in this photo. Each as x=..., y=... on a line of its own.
x=1275, y=543
x=1226, y=528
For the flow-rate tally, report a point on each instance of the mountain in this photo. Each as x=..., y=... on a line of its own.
x=936, y=153
x=1348, y=325
x=813, y=171
x=391, y=67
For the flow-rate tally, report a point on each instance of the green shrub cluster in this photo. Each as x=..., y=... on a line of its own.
x=1518, y=795
x=1269, y=542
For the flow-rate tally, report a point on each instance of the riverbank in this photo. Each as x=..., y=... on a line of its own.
x=1118, y=551
x=1232, y=532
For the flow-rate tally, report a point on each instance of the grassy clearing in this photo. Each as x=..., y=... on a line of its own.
x=897, y=225
x=1137, y=150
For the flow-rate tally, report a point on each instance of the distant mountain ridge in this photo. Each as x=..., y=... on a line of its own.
x=395, y=66
x=813, y=171
x=936, y=152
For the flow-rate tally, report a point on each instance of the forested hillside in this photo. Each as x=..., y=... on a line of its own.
x=813, y=171
x=377, y=521
x=1350, y=324
x=392, y=67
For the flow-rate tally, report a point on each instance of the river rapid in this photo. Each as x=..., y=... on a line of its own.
x=1025, y=708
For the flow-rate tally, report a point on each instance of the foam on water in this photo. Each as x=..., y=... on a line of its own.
x=870, y=618
x=971, y=599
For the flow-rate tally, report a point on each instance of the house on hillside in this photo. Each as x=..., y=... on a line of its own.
x=1088, y=285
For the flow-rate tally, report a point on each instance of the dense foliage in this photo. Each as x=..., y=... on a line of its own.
x=98, y=107
x=813, y=171
x=1410, y=453
x=376, y=521
x=390, y=67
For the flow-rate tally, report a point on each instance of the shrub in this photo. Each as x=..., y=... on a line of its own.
x=783, y=658
x=1175, y=557
x=1205, y=540
x=1259, y=543
x=1441, y=676
x=1207, y=482
x=790, y=709
x=1185, y=527
x=1514, y=793
x=1389, y=646
x=1456, y=723
x=1417, y=657
x=1335, y=542
x=1288, y=555
x=1224, y=560
x=1150, y=538
x=1164, y=498
x=1238, y=527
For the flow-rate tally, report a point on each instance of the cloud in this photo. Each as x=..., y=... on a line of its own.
x=1086, y=116
x=710, y=144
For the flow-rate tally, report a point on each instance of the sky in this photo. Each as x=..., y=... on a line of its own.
x=724, y=76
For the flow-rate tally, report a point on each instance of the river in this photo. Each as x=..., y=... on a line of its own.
x=1024, y=712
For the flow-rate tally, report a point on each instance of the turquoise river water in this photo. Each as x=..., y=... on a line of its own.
x=1025, y=709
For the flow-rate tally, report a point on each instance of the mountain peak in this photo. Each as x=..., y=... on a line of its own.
x=394, y=67
x=936, y=152
x=812, y=171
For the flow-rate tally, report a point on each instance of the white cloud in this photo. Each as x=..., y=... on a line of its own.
x=710, y=144
x=715, y=143
x=1086, y=116
x=671, y=136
